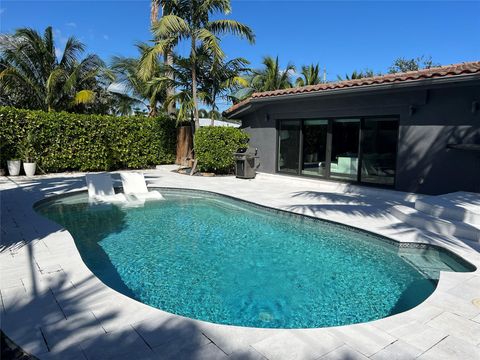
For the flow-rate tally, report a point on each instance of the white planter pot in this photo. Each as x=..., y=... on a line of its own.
x=29, y=168
x=14, y=167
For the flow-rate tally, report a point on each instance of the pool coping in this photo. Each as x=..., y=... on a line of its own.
x=369, y=339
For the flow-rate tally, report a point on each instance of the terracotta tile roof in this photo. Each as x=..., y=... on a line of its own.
x=437, y=72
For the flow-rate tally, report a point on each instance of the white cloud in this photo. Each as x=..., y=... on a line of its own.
x=58, y=34
x=71, y=24
x=58, y=53
x=105, y=37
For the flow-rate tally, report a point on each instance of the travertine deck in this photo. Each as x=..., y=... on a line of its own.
x=55, y=308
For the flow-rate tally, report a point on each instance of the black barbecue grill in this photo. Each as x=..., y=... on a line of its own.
x=245, y=163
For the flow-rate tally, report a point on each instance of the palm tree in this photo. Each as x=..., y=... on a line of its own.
x=168, y=7
x=179, y=76
x=358, y=75
x=190, y=20
x=30, y=66
x=269, y=78
x=122, y=104
x=155, y=4
x=219, y=78
x=310, y=76
x=140, y=90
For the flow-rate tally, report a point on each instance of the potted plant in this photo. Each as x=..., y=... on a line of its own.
x=13, y=166
x=29, y=154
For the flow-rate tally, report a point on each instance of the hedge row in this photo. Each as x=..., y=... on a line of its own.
x=65, y=141
x=214, y=148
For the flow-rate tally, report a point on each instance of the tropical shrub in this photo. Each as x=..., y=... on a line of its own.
x=214, y=148
x=66, y=141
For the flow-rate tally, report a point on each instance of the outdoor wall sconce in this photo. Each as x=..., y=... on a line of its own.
x=475, y=106
x=411, y=110
x=267, y=117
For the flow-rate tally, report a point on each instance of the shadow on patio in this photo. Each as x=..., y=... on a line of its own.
x=58, y=314
x=348, y=203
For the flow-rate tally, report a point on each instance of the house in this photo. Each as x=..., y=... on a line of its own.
x=208, y=122
x=417, y=131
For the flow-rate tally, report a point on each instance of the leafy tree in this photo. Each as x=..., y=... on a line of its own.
x=203, y=113
x=310, y=75
x=270, y=77
x=190, y=20
x=137, y=87
x=403, y=64
x=31, y=75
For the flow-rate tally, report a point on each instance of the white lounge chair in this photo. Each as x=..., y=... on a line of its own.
x=100, y=189
x=134, y=185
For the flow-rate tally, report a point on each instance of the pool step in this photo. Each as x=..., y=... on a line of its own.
x=458, y=206
x=424, y=221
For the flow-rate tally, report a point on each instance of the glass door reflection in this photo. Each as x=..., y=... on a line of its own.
x=314, y=147
x=379, y=147
x=345, y=140
x=289, y=146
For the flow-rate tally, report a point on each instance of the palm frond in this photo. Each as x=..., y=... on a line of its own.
x=222, y=27
x=84, y=97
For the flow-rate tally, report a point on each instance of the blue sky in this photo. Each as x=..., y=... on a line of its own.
x=340, y=35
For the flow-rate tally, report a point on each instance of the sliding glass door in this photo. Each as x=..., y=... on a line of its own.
x=315, y=147
x=289, y=146
x=345, y=139
x=354, y=149
x=379, y=151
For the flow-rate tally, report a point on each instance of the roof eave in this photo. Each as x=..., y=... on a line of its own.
x=355, y=89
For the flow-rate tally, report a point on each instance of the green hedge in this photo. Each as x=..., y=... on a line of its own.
x=214, y=148
x=65, y=141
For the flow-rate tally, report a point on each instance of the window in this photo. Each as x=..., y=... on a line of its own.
x=354, y=149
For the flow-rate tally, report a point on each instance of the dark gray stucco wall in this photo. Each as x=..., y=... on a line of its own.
x=440, y=116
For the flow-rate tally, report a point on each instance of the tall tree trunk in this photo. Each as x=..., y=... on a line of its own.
x=168, y=59
x=194, y=84
x=212, y=120
x=154, y=12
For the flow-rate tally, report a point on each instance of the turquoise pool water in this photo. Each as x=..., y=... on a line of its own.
x=221, y=260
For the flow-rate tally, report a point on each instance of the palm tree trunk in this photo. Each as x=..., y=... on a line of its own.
x=194, y=84
x=154, y=11
x=212, y=120
x=168, y=59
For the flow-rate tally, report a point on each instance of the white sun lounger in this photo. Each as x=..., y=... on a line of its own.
x=134, y=185
x=100, y=189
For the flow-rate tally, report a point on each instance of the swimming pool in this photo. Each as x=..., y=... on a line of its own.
x=217, y=259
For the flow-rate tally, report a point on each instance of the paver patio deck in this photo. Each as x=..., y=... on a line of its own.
x=55, y=308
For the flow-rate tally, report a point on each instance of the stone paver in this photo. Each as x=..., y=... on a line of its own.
x=55, y=308
x=452, y=348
